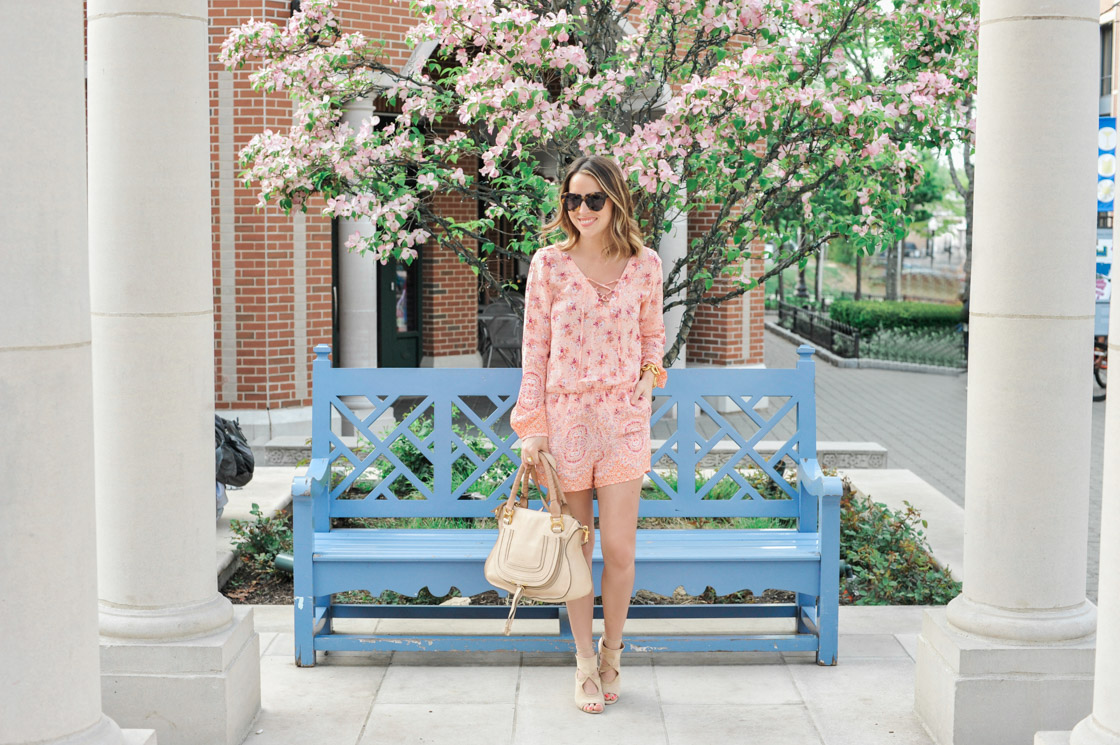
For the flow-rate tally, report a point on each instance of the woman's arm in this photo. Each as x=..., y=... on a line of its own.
x=651, y=325
x=528, y=416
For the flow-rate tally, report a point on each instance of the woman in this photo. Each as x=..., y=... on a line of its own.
x=591, y=355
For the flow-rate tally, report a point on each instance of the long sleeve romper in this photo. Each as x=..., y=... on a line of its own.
x=581, y=358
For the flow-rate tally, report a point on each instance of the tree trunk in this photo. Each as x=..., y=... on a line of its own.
x=891, y=279
x=817, y=280
x=859, y=276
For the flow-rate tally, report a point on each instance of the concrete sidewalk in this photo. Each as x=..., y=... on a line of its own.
x=493, y=699
x=868, y=698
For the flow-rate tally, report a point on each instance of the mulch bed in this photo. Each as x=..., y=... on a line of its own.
x=249, y=587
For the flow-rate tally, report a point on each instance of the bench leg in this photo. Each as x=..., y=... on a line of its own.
x=565, y=624
x=828, y=628
x=828, y=615
x=828, y=610
x=305, y=631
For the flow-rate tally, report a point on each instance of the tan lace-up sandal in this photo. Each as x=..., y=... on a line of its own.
x=587, y=669
x=610, y=659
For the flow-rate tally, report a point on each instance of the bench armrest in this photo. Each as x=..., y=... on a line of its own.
x=309, y=492
x=813, y=481
x=314, y=478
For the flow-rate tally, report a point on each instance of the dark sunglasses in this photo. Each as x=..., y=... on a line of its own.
x=594, y=201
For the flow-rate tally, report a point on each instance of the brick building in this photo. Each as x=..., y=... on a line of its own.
x=283, y=284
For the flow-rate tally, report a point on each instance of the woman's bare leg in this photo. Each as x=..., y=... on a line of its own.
x=581, y=611
x=618, y=524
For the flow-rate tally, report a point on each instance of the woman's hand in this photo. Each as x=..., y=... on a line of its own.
x=643, y=391
x=531, y=447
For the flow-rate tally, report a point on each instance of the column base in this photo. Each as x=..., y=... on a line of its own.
x=204, y=690
x=121, y=623
x=973, y=691
x=1087, y=732
x=139, y=736
x=105, y=732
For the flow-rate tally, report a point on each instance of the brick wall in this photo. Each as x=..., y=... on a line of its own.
x=258, y=322
x=450, y=293
x=729, y=333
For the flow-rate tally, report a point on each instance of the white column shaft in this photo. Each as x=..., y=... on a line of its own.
x=51, y=689
x=357, y=277
x=1103, y=725
x=151, y=304
x=357, y=300
x=674, y=246
x=1029, y=403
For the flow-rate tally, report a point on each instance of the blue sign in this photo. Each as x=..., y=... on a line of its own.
x=1106, y=164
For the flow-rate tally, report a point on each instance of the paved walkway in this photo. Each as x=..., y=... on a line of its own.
x=920, y=419
x=684, y=699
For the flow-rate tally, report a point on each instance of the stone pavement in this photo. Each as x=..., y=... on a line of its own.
x=494, y=699
x=773, y=698
x=920, y=419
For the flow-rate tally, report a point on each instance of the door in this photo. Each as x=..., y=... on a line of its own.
x=398, y=314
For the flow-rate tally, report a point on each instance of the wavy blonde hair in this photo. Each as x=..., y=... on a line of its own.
x=624, y=237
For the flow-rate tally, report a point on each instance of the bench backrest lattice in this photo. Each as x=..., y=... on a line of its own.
x=439, y=444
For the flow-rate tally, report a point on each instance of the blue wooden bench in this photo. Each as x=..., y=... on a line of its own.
x=803, y=559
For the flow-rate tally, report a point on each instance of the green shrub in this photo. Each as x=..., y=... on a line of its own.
x=889, y=558
x=870, y=316
x=420, y=463
x=258, y=541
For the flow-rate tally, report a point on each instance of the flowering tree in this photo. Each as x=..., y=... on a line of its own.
x=748, y=106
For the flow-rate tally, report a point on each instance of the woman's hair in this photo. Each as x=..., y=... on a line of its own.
x=623, y=236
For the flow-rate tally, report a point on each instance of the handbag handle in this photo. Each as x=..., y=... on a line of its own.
x=553, y=477
x=520, y=491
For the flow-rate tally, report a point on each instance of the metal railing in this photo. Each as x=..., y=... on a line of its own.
x=838, y=338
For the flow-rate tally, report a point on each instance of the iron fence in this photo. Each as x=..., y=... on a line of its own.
x=939, y=347
x=838, y=338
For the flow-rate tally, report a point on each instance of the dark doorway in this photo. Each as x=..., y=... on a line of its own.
x=398, y=314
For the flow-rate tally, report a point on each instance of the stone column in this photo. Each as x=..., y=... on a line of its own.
x=1013, y=654
x=48, y=607
x=175, y=654
x=357, y=277
x=1102, y=726
x=673, y=248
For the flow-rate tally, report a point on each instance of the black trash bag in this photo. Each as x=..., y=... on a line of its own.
x=233, y=456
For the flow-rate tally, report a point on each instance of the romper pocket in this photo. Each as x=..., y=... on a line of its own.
x=635, y=432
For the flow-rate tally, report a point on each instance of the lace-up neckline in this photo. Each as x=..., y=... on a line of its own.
x=603, y=289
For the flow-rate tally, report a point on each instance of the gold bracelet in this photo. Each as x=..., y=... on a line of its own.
x=651, y=366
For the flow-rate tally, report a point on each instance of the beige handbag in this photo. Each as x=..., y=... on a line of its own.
x=539, y=553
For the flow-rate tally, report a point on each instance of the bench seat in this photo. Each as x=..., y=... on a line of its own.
x=727, y=560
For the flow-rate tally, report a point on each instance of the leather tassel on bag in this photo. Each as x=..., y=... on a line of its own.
x=539, y=553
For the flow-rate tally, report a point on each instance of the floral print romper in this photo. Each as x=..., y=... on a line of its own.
x=580, y=354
